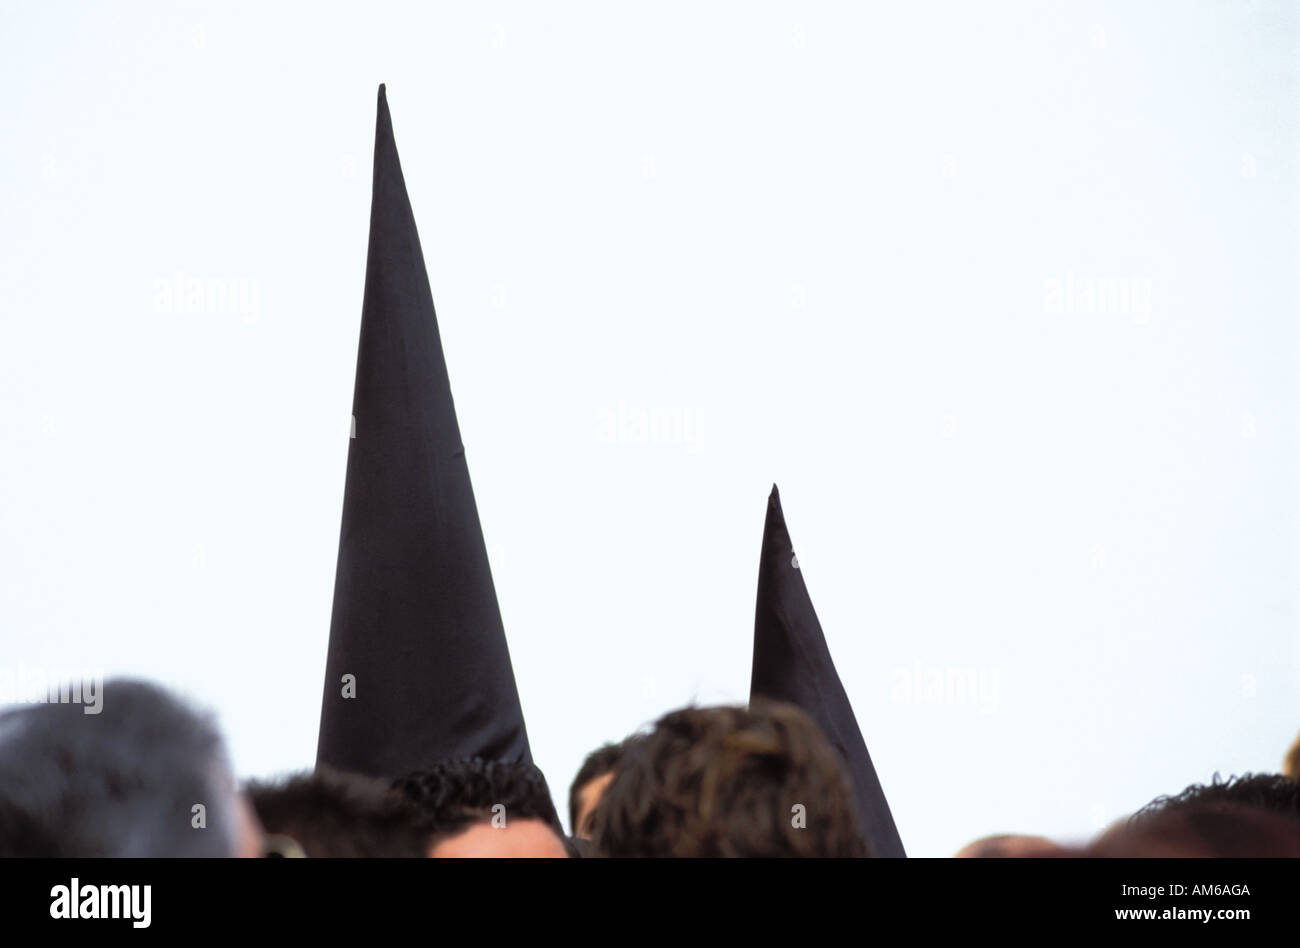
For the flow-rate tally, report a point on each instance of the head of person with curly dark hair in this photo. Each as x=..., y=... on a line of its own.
x=1219, y=830
x=730, y=781
x=1250, y=815
x=486, y=808
x=331, y=814
x=1273, y=792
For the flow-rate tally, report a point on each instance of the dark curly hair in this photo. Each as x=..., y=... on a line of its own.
x=1273, y=792
x=730, y=781
x=1255, y=815
x=331, y=814
x=453, y=795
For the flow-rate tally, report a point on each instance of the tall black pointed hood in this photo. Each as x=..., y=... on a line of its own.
x=416, y=623
x=792, y=663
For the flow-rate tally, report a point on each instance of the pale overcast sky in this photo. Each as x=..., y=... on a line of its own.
x=1004, y=297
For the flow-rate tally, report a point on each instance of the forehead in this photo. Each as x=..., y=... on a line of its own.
x=594, y=787
x=518, y=838
x=591, y=792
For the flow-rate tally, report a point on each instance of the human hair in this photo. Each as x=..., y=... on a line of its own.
x=1276, y=793
x=453, y=795
x=599, y=762
x=144, y=776
x=1220, y=829
x=1247, y=816
x=331, y=814
x=21, y=836
x=730, y=781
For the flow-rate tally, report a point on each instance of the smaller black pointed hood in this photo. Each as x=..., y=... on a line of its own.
x=792, y=663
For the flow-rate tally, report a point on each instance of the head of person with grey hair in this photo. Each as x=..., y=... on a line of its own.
x=145, y=776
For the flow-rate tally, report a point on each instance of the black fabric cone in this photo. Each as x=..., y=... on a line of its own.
x=415, y=618
x=792, y=663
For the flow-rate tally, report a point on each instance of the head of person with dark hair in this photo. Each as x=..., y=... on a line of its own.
x=144, y=775
x=1211, y=830
x=730, y=781
x=1275, y=793
x=592, y=778
x=1250, y=815
x=331, y=814
x=486, y=808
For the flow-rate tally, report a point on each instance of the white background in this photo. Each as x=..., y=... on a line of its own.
x=823, y=245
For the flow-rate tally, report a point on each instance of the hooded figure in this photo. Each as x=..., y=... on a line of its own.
x=792, y=663
x=417, y=670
